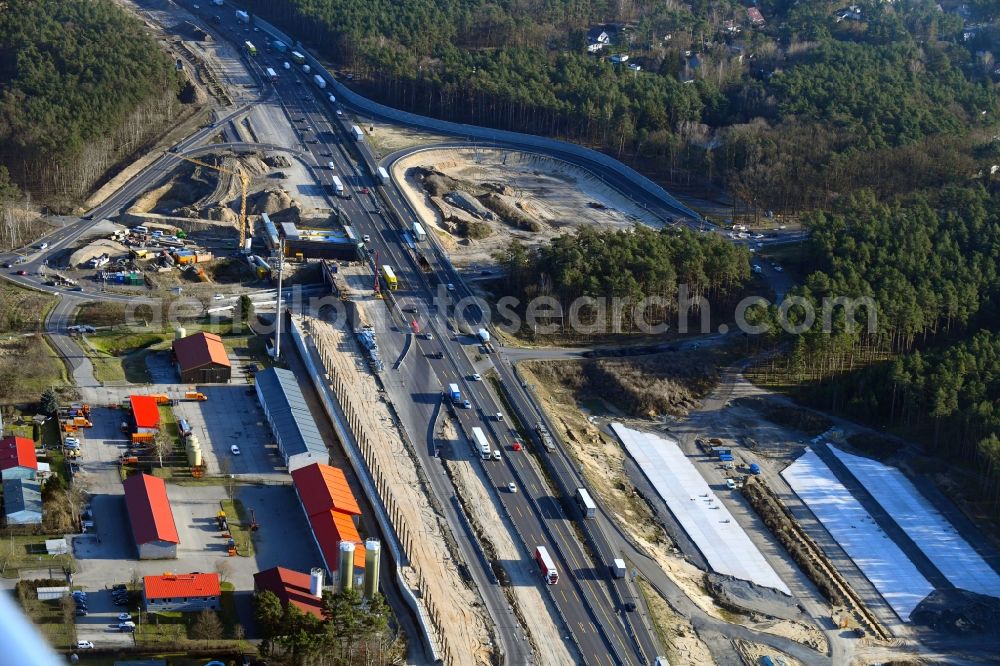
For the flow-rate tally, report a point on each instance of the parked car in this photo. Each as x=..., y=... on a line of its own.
x=124, y=617
x=235, y=450
x=84, y=645
x=128, y=627
x=81, y=612
x=120, y=586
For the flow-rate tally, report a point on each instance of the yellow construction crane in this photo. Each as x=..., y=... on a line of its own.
x=244, y=184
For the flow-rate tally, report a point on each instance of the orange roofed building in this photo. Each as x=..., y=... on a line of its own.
x=182, y=592
x=151, y=518
x=201, y=358
x=330, y=507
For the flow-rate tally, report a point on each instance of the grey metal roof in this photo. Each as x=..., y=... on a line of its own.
x=293, y=423
x=22, y=495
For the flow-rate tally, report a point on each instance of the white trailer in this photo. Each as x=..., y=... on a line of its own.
x=319, y=81
x=418, y=232
x=586, y=503
x=358, y=134
x=482, y=444
x=383, y=176
x=338, y=187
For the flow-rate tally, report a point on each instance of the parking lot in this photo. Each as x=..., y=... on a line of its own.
x=232, y=416
x=106, y=554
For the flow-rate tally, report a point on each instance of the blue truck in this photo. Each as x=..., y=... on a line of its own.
x=456, y=395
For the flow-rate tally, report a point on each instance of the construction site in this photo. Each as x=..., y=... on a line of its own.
x=478, y=200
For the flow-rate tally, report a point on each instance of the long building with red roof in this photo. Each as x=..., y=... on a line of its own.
x=330, y=507
x=182, y=592
x=151, y=517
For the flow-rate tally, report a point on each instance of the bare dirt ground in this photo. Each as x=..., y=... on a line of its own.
x=680, y=641
x=514, y=195
x=524, y=592
x=461, y=611
x=386, y=139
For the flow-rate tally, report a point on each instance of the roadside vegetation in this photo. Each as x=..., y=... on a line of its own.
x=640, y=266
x=351, y=631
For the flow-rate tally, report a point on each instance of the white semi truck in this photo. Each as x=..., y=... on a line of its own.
x=482, y=444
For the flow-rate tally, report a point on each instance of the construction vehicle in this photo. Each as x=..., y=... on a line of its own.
x=195, y=395
x=244, y=186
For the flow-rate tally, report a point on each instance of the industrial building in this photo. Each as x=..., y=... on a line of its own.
x=304, y=591
x=201, y=358
x=291, y=421
x=151, y=518
x=330, y=508
x=182, y=592
x=22, y=502
x=318, y=243
x=17, y=458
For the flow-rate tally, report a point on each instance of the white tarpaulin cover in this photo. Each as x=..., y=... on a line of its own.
x=879, y=558
x=726, y=547
x=933, y=534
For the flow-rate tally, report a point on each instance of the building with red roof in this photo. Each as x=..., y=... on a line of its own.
x=291, y=587
x=182, y=592
x=201, y=358
x=17, y=458
x=324, y=488
x=330, y=507
x=145, y=413
x=151, y=518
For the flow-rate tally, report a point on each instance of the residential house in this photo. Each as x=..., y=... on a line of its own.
x=17, y=458
x=22, y=502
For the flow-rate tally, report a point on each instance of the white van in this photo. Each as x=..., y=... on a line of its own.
x=140, y=229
